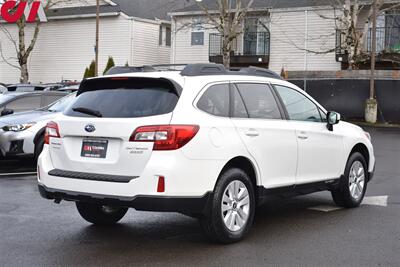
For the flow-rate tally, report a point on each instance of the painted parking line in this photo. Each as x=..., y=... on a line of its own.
x=376, y=201
x=380, y=201
x=17, y=174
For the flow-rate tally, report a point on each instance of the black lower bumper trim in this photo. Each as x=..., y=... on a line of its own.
x=187, y=205
x=92, y=176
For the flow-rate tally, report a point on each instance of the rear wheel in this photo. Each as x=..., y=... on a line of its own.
x=232, y=208
x=353, y=184
x=100, y=214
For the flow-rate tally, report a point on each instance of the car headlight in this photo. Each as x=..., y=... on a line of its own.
x=18, y=127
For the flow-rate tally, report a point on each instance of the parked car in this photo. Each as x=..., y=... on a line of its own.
x=2, y=89
x=11, y=103
x=22, y=134
x=26, y=87
x=52, y=86
x=206, y=142
x=69, y=88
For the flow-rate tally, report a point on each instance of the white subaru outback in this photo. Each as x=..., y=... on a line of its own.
x=205, y=142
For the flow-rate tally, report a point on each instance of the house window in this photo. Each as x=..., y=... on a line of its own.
x=197, y=38
x=168, y=36
x=160, y=36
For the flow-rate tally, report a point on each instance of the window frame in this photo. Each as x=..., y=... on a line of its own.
x=274, y=94
x=321, y=110
x=232, y=86
x=168, y=36
x=22, y=97
x=191, y=38
x=204, y=90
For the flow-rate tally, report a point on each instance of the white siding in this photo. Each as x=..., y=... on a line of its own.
x=146, y=48
x=288, y=40
x=183, y=50
x=65, y=48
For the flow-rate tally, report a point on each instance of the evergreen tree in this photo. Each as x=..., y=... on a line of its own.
x=92, y=69
x=86, y=74
x=110, y=64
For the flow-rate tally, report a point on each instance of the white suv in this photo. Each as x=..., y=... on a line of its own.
x=205, y=142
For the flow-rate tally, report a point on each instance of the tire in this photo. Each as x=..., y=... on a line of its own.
x=99, y=214
x=236, y=212
x=39, y=147
x=353, y=184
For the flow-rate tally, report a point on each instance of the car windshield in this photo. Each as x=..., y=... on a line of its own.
x=61, y=104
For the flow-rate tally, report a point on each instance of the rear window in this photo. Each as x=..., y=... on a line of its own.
x=124, y=99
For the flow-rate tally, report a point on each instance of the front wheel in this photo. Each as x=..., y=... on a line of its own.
x=353, y=184
x=232, y=208
x=100, y=214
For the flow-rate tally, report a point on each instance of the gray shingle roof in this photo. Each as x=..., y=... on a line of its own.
x=84, y=10
x=212, y=4
x=147, y=9
x=151, y=9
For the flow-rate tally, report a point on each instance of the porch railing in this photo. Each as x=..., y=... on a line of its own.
x=247, y=44
x=387, y=40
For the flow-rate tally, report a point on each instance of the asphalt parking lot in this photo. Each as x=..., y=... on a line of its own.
x=303, y=231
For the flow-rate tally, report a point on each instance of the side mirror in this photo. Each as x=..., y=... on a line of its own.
x=6, y=112
x=332, y=118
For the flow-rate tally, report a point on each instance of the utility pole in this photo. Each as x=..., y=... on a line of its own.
x=373, y=52
x=371, y=108
x=96, y=72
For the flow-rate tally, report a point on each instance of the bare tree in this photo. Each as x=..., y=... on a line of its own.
x=352, y=19
x=228, y=21
x=22, y=47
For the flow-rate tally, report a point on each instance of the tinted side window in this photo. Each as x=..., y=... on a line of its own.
x=298, y=106
x=48, y=99
x=259, y=100
x=239, y=110
x=25, y=103
x=215, y=100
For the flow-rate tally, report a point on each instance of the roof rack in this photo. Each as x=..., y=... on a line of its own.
x=219, y=69
x=129, y=69
x=199, y=69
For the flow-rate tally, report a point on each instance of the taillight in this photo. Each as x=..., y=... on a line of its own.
x=51, y=131
x=165, y=137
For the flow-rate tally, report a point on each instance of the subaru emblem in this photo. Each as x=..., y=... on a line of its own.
x=90, y=128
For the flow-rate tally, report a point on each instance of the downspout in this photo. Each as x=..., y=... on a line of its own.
x=174, y=41
x=305, y=49
x=131, y=45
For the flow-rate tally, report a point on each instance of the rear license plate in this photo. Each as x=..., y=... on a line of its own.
x=94, y=148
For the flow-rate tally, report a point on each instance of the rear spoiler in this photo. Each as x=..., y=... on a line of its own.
x=120, y=82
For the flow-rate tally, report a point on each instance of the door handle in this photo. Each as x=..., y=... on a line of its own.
x=252, y=133
x=302, y=136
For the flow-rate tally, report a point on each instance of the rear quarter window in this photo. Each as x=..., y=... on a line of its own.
x=130, y=98
x=215, y=100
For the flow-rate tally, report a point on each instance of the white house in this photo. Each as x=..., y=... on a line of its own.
x=133, y=31
x=296, y=35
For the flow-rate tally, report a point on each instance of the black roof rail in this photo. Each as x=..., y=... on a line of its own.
x=199, y=69
x=129, y=69
x=256, y=71
x=203, y=69
x=219, y=69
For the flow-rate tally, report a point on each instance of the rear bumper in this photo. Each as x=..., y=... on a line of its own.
x=188, y=205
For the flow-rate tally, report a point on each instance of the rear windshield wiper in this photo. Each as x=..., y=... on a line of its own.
x=88, y=111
